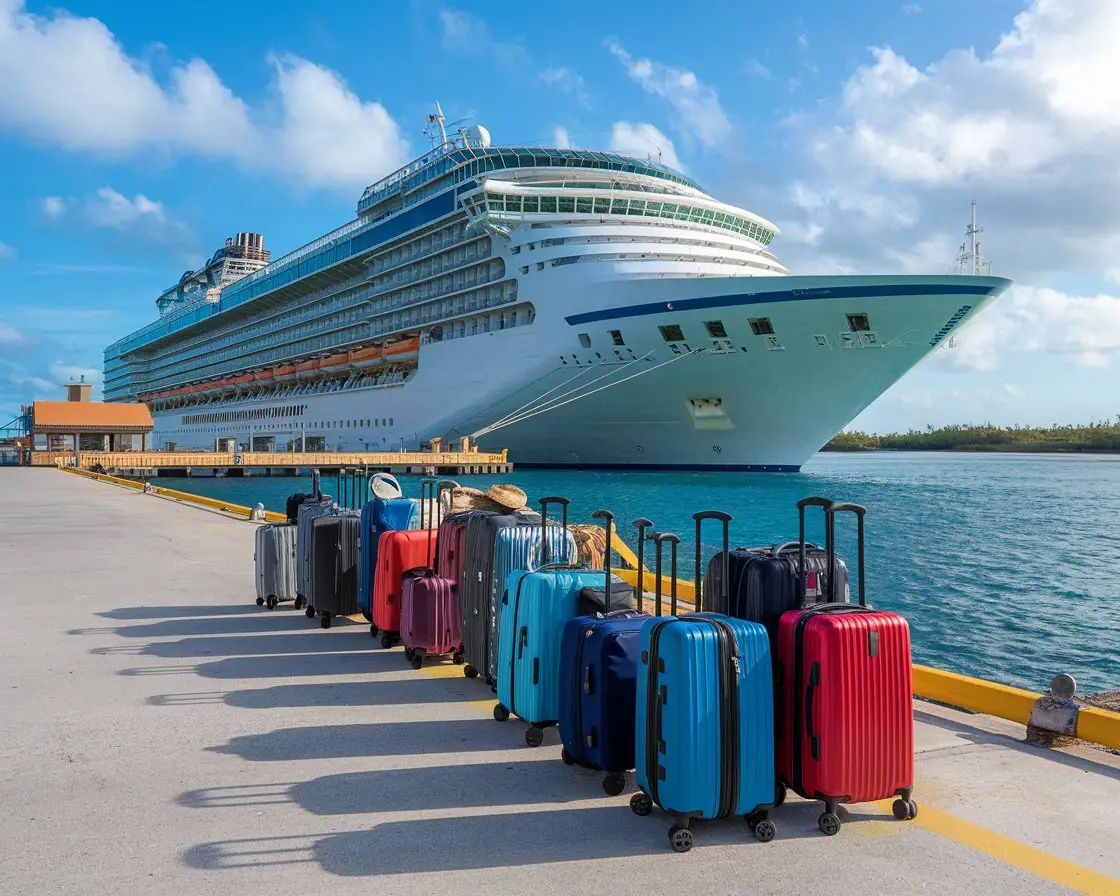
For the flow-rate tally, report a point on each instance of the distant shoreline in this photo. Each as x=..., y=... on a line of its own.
x=1095, y=438
x=973, y=449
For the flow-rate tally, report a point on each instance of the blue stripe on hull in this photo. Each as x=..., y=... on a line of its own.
x=666, y=468
x=788, y=295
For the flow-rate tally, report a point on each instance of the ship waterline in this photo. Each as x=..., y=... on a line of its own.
x=609, y=314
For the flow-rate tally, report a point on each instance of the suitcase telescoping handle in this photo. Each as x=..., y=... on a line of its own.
x=802, y=571
x=546, y=554
x=642, y=524
x=608, y=521
x=830, y=513
x=725, y=519
x=673, y=540
x=444, y=485
x=427, y=493
x=316, y=487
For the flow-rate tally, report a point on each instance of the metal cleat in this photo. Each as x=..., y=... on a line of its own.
x=1057, y=711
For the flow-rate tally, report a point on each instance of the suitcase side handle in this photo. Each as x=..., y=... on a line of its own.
x=810, y=692
x=830, y=532
x=660, y=538
x=641, y=524
x=546, y=553
x=802, y=571
x=725, y=519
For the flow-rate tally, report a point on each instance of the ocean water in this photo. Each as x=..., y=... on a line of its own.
x=1006, y=566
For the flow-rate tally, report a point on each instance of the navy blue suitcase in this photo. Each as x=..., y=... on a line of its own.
x=704, y=725
x=598, y=675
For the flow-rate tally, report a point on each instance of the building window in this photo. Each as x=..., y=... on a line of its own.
x=715, y=329
x=671, y=333
x=616, y=337
x=858, y=323
x=761, y=326
x=585, y=340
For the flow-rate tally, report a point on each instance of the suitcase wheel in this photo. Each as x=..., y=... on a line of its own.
x=373, y=631
x=904, y=810
x=457, y=658
x=566, y=756
x=614, y=783
x=500, y=712
x=470, y=671
x=829, y=823
x=764, y=829
x=272, y=602
x=325, y=622
x=417, y=660
x=680, y=838
x=780, y=794
x=386, y=640
x=534, y=737
x=299, y=603
x=641, y=804
x=260, y=601
x=309, y=612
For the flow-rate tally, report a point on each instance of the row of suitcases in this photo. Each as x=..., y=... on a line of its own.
x=779, y=683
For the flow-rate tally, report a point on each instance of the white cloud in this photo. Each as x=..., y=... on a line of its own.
x=466, y=33
x=70, y=373
x=9, y=335
x=1012, y=389
x=7, y=252
x=803, y=40
x=642, y=141
x=755, y=67
x=54, y=206
x=1039, y=319
x=911, y=9
x=561, y=138
x=699, y=113
x=88, y=94
x=570, y=82
x=111, y=209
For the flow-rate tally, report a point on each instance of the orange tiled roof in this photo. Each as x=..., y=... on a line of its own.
x=91, y=416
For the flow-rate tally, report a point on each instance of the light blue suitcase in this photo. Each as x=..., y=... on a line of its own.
x=704, y=726
x=535, y=608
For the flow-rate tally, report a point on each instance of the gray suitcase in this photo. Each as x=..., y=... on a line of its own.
x=308, y=512
x=275, y=558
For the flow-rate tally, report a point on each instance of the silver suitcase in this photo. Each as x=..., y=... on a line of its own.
x=275, y=559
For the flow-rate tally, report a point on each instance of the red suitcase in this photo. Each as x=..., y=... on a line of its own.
x=397, y=552
x=431, y=621
x=846, y=714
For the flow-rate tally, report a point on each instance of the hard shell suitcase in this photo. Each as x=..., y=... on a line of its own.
x=380, y=515
x=764, y=583
x=451, y=546
x=397, y=552
x=308, y=512
x=846, y=733
x=431, y=620
x=535, y=606
x=704, y=726
x=598, y=679
x=275, y=560
x=334, y=565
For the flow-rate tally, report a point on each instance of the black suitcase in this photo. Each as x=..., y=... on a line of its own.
x=293, y=502
x=764, y=583
x=334, y=565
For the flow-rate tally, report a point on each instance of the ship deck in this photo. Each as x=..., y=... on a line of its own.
x=166, y=735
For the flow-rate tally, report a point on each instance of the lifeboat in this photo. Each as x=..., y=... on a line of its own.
x=403, y=350
x=242, y=380
x=365, y=357
x=284, y=374
x=307, y=369
x=335, y=363
x=262, y=376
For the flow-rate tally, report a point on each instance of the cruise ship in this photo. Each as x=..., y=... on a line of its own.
x=580, y=308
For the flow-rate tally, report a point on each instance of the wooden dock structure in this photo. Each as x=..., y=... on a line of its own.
x=149, y=464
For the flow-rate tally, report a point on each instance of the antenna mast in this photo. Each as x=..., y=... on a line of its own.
x=969, y=259
x=436, y=120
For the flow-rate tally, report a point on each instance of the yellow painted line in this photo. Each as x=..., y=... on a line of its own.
x=1011, y=852
x=1099, y=726
x=987, y=697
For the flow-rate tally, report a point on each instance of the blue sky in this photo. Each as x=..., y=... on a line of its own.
x=135, y=137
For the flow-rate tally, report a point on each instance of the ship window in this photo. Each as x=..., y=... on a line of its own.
x=375, y=421
x=715, y=329
x=585, y=340
x=390, y=421
x=567, y=204
x=583, y=204
x=858, y=323
x=761, y=326
x=616, y=337
x=671, y=333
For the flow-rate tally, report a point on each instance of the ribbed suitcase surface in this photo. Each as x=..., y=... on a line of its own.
x=380, y=515
x=431, y=619
x=452, y=548
x=847, y=726
x=598, y=683
x=323, y=566
x=275, y=558
x=307, y=513
x=397, y=552
x=534, y=609
x=704, y=730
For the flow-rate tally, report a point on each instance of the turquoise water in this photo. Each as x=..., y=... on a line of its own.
x=1007, y=566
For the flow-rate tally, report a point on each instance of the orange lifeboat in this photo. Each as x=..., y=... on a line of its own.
x=406, y=348
x=307, y=369
x=262, y=376
x=241, y=380
x=335, y=363
x=284, y=374
x=366, y=357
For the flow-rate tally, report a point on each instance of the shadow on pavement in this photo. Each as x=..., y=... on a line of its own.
x=377, y=692
x=299, y=665
x=380, y=739
x=190, y=610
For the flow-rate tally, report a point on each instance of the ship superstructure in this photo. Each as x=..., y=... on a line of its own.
x=578, y=307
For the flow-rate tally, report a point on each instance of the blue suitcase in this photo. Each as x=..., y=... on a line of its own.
x=704, y=731
x=598, y=675
x=534, y=609
x=380, y=515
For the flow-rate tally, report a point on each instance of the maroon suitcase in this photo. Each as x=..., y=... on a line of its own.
x=431, y=620
x=846, y=732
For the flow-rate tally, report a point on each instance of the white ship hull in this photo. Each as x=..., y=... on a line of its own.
x=737, y=403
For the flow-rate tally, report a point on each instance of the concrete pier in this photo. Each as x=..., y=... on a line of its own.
x=163, y=735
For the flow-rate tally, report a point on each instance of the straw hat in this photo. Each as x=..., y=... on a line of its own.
x=384, y=486
x=507, y=496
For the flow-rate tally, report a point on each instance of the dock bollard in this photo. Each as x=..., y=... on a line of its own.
x=1057, y=712
x=257, y=513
